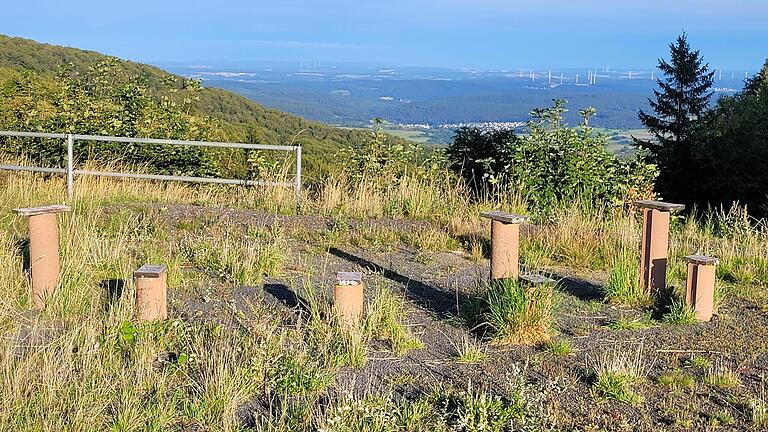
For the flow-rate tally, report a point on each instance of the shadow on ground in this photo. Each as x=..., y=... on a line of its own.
x=113, y=290
x=287, y=297
x=579, y=288
x=442, y=303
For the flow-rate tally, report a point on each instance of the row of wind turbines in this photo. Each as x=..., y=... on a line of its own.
x=592, y=76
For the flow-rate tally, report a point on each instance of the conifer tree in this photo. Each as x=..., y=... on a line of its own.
x=680, y=102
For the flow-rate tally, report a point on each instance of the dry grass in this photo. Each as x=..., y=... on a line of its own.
x=89, y=370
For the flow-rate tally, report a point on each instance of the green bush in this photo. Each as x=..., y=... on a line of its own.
x=551, y=164
x=105, y=100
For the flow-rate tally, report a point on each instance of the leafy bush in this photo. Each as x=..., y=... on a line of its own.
x=105, y=100
x=384, y=160
x=550, y=165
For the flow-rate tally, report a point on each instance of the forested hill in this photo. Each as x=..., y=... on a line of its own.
x=240, y=118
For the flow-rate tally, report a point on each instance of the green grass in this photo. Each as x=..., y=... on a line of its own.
x=518, y=314
x=721, y=375
x=698, y=361
x=560, y=347
x=680, y=314
x=623, y=284
x=188, y=373
x=617, y=371
x=676, y=380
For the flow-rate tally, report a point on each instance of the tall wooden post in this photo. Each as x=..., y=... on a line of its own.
x=43, y=250
x=655, y=242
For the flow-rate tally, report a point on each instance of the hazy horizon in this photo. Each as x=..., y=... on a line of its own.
x=458, y=34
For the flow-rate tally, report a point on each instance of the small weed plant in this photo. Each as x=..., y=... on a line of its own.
x=560, y=347
x=616, y=373
x=469, y=351
x=720, y=374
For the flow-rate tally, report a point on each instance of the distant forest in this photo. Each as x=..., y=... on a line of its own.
x=615, y=110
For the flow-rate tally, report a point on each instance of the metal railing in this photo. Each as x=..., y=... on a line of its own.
x=70, y=170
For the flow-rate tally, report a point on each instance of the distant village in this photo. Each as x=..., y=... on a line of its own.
x=486, y=126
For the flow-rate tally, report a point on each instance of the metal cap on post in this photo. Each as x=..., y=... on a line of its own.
x=505, y=243
x=348, y=298
x=151, y=292
x=43, y=250
x=653, y=253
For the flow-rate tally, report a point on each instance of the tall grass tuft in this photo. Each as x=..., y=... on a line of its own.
x=623, y=284
x=518, y=314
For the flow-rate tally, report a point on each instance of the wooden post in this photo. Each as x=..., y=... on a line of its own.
x=653, y=253
x=348, y=298
x=43, y=250
x=505, y=243
x=151, y=292
x=700, y=285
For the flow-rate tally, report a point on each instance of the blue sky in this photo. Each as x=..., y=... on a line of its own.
x=452, y=33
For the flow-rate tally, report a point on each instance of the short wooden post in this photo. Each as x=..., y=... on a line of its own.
x=43, y=250
x=700, y=285
x=151, y=292
x=505, y=243
x=653, y=253
x=348, y=298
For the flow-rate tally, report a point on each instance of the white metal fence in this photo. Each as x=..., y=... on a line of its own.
x=70, y=170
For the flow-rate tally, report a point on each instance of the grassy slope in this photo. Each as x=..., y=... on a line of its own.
x=243, y=119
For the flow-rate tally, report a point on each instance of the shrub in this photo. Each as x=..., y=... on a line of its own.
x=106, y=100
x=552, y=164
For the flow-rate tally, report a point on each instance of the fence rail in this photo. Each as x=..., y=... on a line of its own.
x=70, y=170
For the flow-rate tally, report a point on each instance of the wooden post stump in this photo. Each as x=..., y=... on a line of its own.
x=43, y=250
x=505, y=243
x=653, y=253
x=348, y=298
x=151, y=292
x=700, y=285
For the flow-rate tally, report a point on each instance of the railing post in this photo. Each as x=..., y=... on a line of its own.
x=70, y=166
x=298, y=171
